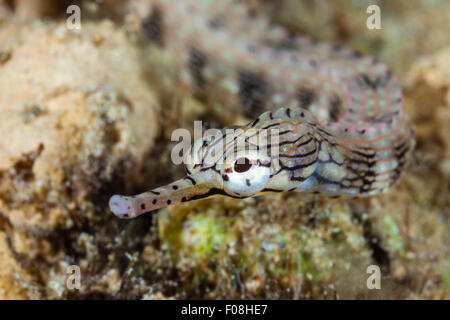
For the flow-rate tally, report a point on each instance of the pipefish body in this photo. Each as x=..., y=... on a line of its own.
x=341, y=127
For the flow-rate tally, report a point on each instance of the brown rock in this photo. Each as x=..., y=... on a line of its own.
x=77, y=117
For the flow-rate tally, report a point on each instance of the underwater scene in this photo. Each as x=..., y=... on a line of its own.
x=224, y=149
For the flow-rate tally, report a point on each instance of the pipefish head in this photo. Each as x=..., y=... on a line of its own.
x=234, y=162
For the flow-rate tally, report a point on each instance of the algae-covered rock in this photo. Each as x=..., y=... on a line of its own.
x=297, y=246
x=77, y=118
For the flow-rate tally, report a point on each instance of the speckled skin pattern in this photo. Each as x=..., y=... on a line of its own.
x=342, y=127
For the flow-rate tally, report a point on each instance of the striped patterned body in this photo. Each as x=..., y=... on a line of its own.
x=339, y=115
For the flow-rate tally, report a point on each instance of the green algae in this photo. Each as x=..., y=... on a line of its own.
x=394, y=241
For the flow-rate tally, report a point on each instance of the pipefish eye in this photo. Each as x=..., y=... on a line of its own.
x=246, y=176
x=242, y=165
